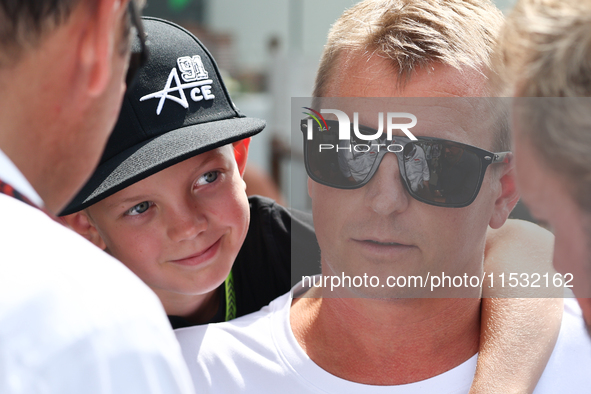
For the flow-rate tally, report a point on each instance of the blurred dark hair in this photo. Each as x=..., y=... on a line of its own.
x=24, y=22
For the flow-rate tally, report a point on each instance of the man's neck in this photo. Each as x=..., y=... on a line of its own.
x=11, y=175
x=43, y=113
x=387, y=342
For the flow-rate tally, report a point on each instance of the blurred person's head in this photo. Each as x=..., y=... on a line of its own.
x=545, y=56
x=62, y=71
x=168, y=199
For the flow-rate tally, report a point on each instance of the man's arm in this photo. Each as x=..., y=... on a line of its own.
x=518, y=334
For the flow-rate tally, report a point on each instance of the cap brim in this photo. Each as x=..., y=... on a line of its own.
x=149, y=157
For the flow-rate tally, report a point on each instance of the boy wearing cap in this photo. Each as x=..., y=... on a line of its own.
x=168, y=198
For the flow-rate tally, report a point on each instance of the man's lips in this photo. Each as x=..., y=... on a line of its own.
x=380, y=242
x=382, y=245
x=200, y=257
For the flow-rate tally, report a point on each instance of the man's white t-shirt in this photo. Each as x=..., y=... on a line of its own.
x=73, y=320
x=258, y=353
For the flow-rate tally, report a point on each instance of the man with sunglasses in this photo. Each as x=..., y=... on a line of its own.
x=371, y=219
x=72, y=319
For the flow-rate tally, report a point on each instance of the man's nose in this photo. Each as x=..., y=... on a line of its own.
x=185, y=222
x=385, y=193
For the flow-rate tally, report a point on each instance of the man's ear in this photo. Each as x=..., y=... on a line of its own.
x=101, y=39
x=82, y=224
x=507, y=196
x=241, y=153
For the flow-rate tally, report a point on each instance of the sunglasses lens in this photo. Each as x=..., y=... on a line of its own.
x=437, y=172
x=338, y=163
x=442, y=172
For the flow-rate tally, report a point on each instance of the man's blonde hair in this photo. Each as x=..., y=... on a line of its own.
x=413, y=34
x=545, y=51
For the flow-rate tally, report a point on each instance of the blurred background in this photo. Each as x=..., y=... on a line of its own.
x=268, y=51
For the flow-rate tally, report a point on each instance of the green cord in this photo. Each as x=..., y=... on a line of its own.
x=230, y=297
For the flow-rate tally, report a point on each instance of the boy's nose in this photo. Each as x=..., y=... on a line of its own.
x=185, y=224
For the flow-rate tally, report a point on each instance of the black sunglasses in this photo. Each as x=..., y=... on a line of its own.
x=434, y=171
x=137, y=59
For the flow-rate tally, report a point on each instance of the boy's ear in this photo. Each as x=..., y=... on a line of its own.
x=241, y=153
x=82, y=224
x=507, y=197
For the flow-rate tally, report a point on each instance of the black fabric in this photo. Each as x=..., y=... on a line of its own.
x=263, y=268
x=305, y=252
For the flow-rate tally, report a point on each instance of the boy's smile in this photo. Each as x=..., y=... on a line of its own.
x=180, y=229
x=199, y=257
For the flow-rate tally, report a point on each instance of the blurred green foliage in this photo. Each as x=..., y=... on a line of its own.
x=178, y=5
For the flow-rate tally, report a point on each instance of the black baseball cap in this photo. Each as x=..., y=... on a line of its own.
x=178, y=107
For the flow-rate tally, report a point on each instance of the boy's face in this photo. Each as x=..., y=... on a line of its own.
x=180, y=229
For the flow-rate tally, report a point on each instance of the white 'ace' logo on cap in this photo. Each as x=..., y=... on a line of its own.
x=195, y=77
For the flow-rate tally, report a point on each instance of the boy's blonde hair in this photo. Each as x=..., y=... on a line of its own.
x=545, y=51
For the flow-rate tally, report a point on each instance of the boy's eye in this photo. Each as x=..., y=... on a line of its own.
x=208, y=177
x=139, y=209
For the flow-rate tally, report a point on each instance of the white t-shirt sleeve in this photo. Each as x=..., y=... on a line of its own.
x=74, y=320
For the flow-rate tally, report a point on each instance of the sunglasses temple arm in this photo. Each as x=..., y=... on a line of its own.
x=502, y=157
x=136, y=19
